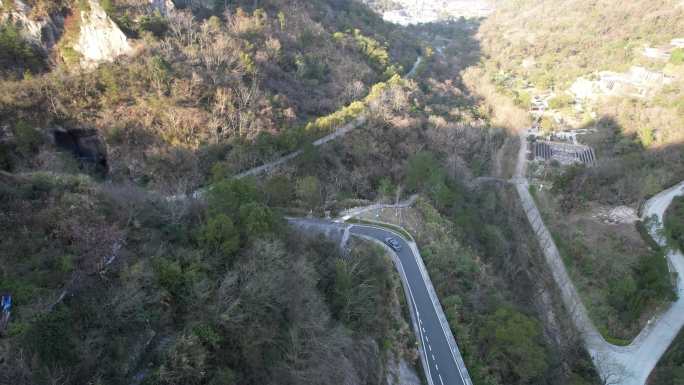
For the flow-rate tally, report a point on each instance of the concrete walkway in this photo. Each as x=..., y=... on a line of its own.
x=623, y=365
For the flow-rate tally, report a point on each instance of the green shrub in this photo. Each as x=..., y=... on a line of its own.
x=108, y=7
x=308, y=189
x=27, y=138
x=522, y=98
x=279, y=191
x=17, y=53
x=653, y=280
x=375, y=52
x=677, y=56
x=169, y=276
x=674, y=222
x=208, y=335
x=256, y=219
x=50, y=338
x=515, y=342
x=70, y=56
x=561, y=101
x=65, y=263
x=226, y=197
x=155, y=24
x=312, y=68
x=220, y=234
x=422, y=167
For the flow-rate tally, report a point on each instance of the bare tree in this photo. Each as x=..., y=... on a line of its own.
x=245, y=98
x=219, y=54
x=610, y=371
x=182, y=27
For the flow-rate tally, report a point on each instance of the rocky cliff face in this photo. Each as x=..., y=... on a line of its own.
x=43, y=32
x=97, y=39
x=100, y=39
x=163, y=6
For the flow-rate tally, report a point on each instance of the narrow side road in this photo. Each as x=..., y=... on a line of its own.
x=619, y=365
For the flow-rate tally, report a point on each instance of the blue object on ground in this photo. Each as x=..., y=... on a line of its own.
x=6, y=303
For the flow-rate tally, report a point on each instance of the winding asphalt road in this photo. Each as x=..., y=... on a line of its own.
x=439, y=354
x=441, y=359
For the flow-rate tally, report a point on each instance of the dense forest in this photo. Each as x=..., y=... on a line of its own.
x=122, y=274
x=112, y=282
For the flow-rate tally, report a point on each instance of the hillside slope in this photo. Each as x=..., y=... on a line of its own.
x=202, y=86
x=610, y=76
x=561, y=46
x=114, y=284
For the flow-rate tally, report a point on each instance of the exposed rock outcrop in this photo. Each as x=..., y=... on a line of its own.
x=100, y=39
x=163, y=6
x=43, y=31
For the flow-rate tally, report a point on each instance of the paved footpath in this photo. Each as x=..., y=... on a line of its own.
x=623, y=365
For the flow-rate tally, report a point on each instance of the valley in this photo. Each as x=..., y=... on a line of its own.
x=340, y=191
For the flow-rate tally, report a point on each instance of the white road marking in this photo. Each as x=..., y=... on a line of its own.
x=440, y=379
x=415, y=307
x=421, y=331
x=429, y=347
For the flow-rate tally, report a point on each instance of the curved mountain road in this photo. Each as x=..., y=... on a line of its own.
x=439, y=354
x=441, y=359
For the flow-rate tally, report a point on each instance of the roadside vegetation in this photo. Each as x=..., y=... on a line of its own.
x=622, y=276
x=670, y=369
x=112, y=283
x=220, y=290
x=483, y=278
x=674, y=222
x=186, y=293
x=470, y=240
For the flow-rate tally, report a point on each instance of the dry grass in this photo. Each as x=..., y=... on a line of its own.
x=595, y=254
